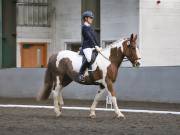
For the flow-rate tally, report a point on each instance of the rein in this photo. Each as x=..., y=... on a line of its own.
x=111, y=45
x=104, y=56
x=124, y=59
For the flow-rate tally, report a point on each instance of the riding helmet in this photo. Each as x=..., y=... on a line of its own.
x=87, y=13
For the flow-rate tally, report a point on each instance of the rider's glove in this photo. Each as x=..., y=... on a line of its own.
x=99, y=49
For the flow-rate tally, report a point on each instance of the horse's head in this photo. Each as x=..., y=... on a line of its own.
x=131, y=50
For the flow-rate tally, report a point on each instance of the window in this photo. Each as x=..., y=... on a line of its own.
x=32, y=13
x=73, y=46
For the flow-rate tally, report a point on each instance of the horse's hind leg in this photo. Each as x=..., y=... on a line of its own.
x=61, y=102
x=57, y=95
x=95, y=102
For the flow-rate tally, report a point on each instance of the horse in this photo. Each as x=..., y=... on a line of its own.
x=63, y=68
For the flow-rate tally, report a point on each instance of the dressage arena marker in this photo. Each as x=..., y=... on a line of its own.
x=87, y=108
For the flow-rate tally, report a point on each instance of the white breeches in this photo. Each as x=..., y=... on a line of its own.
x=88, y=53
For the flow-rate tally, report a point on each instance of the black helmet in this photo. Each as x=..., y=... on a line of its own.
x=87, y=14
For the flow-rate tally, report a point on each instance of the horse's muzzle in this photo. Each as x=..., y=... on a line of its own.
x=136, y=64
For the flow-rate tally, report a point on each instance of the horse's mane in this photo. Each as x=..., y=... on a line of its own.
x=117, y=43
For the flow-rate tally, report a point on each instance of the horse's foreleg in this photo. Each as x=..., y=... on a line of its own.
x=56, y=96
x=95, y=102
x=114, y=100
x=117, y=111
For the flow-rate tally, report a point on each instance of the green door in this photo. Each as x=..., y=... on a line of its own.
x=8, y=56
x=0, y=33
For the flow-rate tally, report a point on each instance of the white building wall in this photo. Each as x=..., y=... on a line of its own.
x=65, y=27
x=156, y=25
x=159, y=32
x=119, y=18
x=66, y=24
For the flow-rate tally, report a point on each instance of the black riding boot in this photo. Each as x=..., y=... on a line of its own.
x=84, y=65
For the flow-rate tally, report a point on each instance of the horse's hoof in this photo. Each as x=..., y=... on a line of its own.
x=92, y=116
x=121, y=117
x=58, y=114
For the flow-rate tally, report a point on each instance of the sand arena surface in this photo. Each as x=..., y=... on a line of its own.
x=20, y=121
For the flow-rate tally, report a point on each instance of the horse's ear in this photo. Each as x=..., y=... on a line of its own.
x=131, y=38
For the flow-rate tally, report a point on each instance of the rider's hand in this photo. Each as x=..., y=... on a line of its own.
x=99, y=49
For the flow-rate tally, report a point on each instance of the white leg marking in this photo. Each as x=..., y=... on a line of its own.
x=56, y=97
x=114, y=102
x=95, y=102
x=117, y=111
x=61, y=98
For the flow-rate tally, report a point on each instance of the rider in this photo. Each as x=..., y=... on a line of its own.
x=89, y=41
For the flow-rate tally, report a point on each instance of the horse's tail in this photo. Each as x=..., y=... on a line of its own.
x=48, y=83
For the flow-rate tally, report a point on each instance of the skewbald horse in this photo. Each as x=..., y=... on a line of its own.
x=64, y=66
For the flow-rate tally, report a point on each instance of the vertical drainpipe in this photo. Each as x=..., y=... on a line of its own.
x=1, y=33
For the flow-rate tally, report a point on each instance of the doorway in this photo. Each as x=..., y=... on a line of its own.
x=33, y=55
